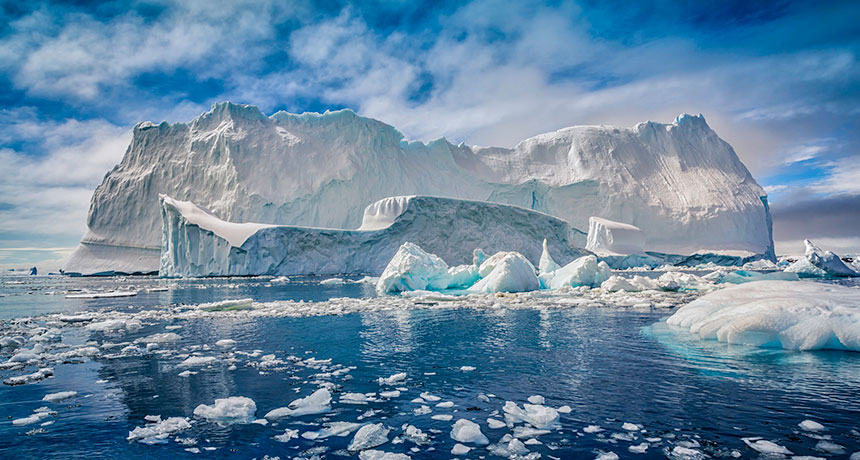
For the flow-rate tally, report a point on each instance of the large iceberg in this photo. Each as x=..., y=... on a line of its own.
x=794, y=315
x=197, y=243
x=819, y=263
x=682, y=185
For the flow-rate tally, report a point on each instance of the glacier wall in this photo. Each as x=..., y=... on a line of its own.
x=197, y=243
x=678, y=182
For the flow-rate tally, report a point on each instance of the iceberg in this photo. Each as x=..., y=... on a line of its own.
x=678, y=182
x=228, y=411
x=506, y=272
x=606, y=237
x=818, y=263
x=795, y=315
x=467, y=431
x=584, y=271
x=197, y=243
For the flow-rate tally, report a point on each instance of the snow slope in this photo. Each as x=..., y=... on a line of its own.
x=197, y=243
x=680, y=183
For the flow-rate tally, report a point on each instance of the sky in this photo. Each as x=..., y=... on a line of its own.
x=779, y=80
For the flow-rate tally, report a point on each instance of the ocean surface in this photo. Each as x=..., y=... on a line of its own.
x=622, y=378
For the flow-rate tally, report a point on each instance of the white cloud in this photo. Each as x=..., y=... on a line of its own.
x=843, y=177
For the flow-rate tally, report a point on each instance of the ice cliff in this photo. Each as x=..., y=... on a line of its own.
x=682, y=185
x=195, y=242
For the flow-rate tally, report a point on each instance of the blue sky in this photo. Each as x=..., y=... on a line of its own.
x=779, y=80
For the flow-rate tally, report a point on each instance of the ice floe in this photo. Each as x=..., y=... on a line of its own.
x=369, y=436
x=158, y=432
x=469, y=432
x=228, y=411
x=787, y=314
x=316, y=403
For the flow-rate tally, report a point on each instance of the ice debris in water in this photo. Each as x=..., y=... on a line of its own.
x=369, y=436
x=393, y=380
x=467, y=431
x=226, y=343
x=287, y=435
x=380, y=455
x=156, y=433
x=57, y=397
x=332, y=429
x=227, y=411
x=766, y=447
x=811, y=425
x=584, y=271
x=536, y=415
x=317, y=403
x=460, y=449
x=37, y=416
x=197, y=361
x=792, y=315
x=413, y=269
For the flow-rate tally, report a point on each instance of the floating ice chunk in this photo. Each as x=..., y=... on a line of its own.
x=743, y=276
x=830, y=447
x=584, y=271
x=445, y=404
x=765, y=447
x=332, y=429
x=152, y=418
x=617, y=283
x=369, y=436
x=467, y=368
x=356, y=398
x=380, y=455
x=186, y=373
x=101, y=295
x=415, y=435
x=113, y=325
x=197, y=361
x=228, y=411
x=495, y=424
x=528, y=432
x=811, y=425
x=630, y=426
x=819, y=263
x=607, y=237
x=37, y=416
x=469, y=432
x=460, y=449
x=564, y=410
x=57, y=397
x=225, y=343
x=686, y=453
x=606, y=456
x=789, y=314
x=280, y=280
x=287, y=435
x=423, y=410
x=413, y=269
x=536, y=415
x=24, y=356
x=317, y=403
x=157, y=433
x=592, y=429
x=390, y=394
x=332, y=281
x=506, y=272
x=429, y=397
x=443, y=417
x=227, y=305
x=639, y=448
x=393, y=380
x=536, y=399
x=41, y=374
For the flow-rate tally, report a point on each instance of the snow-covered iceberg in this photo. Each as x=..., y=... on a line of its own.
x=818, y=263
x=682, y=185
x=584, y=271
x=197, y=243
x=794, y=315
x=606, y=237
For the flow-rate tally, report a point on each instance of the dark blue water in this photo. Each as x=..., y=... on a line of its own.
x=609, y=365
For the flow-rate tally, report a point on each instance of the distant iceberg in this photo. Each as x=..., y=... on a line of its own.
x=197, y=243
x=818, y=263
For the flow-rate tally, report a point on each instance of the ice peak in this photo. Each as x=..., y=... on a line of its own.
x=685, y=119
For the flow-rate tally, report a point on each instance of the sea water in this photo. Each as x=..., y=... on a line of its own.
x=625, y=382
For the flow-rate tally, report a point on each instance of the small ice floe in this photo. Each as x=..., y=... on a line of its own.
x=280, y=280
x=766, y=447
x=225, y=343
x=442, y=417
x=445, y=404
x=317, y=403
x=509, y=447
x=161, y=337
x=639, y=448
x=467, y=368
x=536, y=399
x=830, y=447
x=287, y=435
x=564, y=410
x=228, y=411
x=811, y=425
x=332, y=281
x=57, y=397
x=606, y=456
x=390, y=394
x=460, y=449
x=113, y=325
x=197, y=361
x=356, y=398
x=380, y=455
x=521, y=432
x=686, y=453
x=535, y=415
x=186, y=373
x=227, y=305
x=157, y=433
x=469, y=432
x=627, y=426
x=332, y=429
x=395, y=379
x=415, y=435
x=429, y=397
x=152, y=418
x=591, y=429
x=40, y=374
x=495, y=424
x=369, y=436
x=101, y=295
x=423, y=410
x=37, y=416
